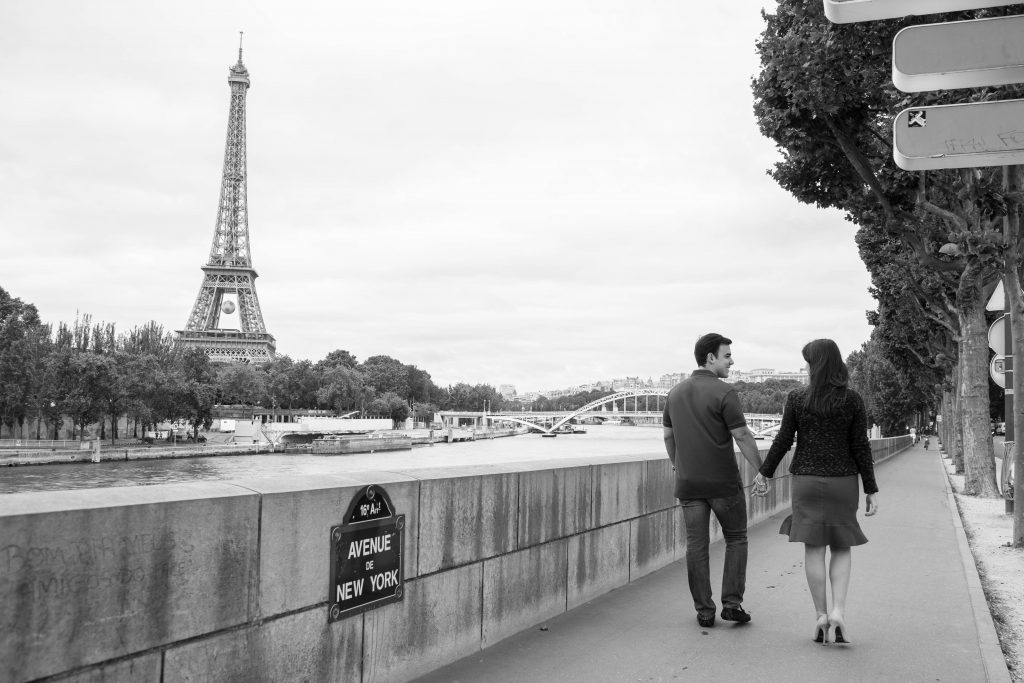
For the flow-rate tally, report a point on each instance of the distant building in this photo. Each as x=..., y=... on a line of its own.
x=663, y=383
x=507, y=391
x=762, y=374
x=669, y=380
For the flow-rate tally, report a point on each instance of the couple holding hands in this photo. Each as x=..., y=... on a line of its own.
x=703, y=416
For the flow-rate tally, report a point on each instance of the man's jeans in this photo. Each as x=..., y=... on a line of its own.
x=732, y=516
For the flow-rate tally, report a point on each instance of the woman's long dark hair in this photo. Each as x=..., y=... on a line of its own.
x=827, y=392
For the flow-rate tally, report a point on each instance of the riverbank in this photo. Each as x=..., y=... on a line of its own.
x=86, y=451
x=599, y=441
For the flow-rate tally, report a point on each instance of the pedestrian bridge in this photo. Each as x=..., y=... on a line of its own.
x=549, y=421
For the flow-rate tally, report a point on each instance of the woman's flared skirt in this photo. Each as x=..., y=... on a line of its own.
x=824, y=511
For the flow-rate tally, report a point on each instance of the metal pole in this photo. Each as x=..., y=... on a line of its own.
x=1011, y=285
x=1011, y=228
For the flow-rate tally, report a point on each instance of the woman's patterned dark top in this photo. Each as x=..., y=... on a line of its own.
x=835, y=446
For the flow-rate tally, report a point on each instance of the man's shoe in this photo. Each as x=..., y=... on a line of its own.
x=706, y=620
x=735, y=614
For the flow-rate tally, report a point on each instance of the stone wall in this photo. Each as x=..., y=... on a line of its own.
x=229, y=580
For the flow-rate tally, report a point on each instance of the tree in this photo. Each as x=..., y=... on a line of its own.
x=424, y=412
x=339, y=357
x=386, y=375
x=419, y=382
x=19, y=325
x=890, y=396
x=114, y=392
x=81, y=380
x=196, y=389
x=241, y=383
x=825, y=98
x=768, y=397
x=392, y=405
x=340, y=388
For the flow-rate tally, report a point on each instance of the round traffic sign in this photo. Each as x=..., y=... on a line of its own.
x=997, y=335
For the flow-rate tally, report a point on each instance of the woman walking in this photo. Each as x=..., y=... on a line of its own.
x=831, y=451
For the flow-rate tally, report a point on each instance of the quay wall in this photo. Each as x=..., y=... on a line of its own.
x=229, y=580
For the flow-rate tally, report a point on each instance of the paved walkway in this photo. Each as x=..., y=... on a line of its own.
x=915, y=611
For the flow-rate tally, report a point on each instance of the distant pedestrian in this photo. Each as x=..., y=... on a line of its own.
x=926, y=442
x=702, y=416
x=832, y=450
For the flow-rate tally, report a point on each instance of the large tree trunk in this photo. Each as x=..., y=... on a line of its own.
x=956, y=426
x=951, y=422
x=979, y=458
x=942, y=428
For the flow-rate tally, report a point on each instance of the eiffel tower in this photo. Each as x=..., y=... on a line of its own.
x=226, y=321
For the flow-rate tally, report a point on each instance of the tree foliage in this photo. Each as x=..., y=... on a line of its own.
x=84, y=373
x=932, y=242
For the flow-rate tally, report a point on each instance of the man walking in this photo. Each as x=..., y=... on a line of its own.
x=702, y=417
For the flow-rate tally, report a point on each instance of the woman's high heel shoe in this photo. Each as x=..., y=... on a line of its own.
x=821, y=630
x=840, y=629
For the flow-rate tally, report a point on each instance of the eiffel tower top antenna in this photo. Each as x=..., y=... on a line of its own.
x=240, y=46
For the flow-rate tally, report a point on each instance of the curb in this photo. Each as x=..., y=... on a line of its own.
x=988, y=642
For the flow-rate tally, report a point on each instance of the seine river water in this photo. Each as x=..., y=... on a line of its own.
x=600, y=440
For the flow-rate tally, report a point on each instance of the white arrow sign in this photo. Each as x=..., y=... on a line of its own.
x=849, y=11
x=959, y=135
x=959, y=54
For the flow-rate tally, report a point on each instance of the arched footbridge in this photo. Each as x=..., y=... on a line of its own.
x=549, y=421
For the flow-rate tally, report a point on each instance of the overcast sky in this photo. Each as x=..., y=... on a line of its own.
x=531, y=193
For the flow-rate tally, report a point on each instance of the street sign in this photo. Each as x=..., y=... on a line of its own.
x=366, y=556
x=959, y=54
x=997, y=335
x=998, y=298
x=849, y=11
x=997, y=370
x=959, y=135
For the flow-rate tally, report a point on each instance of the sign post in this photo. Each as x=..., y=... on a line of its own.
x=366, y=556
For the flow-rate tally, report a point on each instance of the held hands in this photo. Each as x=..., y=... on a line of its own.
x=871, y=503
x=761, y=485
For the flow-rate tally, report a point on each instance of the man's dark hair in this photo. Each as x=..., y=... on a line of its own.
x=709, y=343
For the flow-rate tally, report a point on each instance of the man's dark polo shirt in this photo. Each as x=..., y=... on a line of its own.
x=701, y=410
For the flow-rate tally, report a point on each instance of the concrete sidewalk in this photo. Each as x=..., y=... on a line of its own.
x=915, y=612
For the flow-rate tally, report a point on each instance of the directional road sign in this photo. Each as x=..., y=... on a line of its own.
x=849, y=11
x=959, y=54
x=959, y=135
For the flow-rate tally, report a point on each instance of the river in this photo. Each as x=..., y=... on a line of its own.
x=599, y=440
